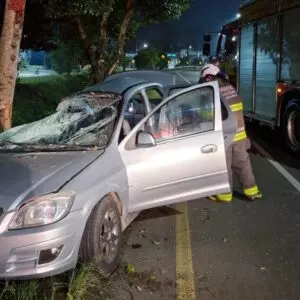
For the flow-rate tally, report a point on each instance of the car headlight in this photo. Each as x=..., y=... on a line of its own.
x=43, y=210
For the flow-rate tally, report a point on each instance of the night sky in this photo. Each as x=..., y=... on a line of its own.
x=203, y=16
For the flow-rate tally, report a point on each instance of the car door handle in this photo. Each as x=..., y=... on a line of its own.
x=209, y=148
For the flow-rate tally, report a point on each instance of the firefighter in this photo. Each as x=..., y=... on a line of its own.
x=237, y=156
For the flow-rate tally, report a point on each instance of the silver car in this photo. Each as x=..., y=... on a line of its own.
x=72, y=182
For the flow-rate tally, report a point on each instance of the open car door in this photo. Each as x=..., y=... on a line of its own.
x=181, y=155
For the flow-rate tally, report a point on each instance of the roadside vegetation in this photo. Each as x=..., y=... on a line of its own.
x=37, y=97
x=85, y=283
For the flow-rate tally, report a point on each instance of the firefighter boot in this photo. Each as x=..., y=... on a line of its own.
x=253, y=193
x=224, y=198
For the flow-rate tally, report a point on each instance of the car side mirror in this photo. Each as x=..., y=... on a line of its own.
x=145, y=139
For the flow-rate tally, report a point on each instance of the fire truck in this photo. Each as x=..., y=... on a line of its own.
x=261, y=53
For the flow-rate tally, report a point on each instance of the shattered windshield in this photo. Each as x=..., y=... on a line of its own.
x=86, y=119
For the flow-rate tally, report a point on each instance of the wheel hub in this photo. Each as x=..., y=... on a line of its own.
x=109, y=236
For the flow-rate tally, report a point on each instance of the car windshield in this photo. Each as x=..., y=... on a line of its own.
x=82, y=120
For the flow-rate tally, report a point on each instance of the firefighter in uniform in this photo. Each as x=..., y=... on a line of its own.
x=237, y=156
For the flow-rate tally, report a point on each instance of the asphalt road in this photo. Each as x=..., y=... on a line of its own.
x=203, y=250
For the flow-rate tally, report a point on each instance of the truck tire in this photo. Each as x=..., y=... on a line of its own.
x=291, y=125
x=101, y=243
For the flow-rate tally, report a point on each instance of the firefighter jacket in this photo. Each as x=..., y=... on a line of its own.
x=234, y=101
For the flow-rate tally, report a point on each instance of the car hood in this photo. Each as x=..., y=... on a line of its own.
x=25, y=175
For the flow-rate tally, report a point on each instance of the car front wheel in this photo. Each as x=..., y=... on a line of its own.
x=102, y=239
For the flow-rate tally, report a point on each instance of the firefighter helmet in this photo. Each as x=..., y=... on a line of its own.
x=210, y=69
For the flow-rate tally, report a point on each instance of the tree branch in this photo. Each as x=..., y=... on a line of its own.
x=103, y=32
x=119, y=51
x=84, y=37
x=124, y=26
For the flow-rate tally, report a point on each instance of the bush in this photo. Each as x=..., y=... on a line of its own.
x=66, y=58
x=36, y=98
x=147, y=59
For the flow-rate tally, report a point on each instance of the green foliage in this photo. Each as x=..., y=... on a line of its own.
x=147, y=59
x=66, y=57
x=125, y=62
x=151, y=12
x=61, y=8
x=101, y=28
x=36, y=98
x=83, y=283
x=185, y=61
x=163, y=61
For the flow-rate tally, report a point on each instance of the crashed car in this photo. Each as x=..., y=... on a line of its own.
x=72, y=182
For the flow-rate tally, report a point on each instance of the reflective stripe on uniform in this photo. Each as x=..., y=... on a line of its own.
x=236, y=107
x=251, y=191
x=240, y=136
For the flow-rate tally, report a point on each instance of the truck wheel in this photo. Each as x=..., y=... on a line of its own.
x=291, y=125
x=102, y=239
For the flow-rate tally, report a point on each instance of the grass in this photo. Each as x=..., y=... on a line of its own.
x=84, y=283
x=36, y=98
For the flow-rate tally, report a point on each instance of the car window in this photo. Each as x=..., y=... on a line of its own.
x=134, y=112
x=187, y=114
x=136, y=105
x=154, y=96
x=176, y=90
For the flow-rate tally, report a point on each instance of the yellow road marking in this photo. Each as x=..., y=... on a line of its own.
x=185, y=284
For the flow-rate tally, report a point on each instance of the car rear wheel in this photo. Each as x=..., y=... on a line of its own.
x=291, y=125
x=102, y=239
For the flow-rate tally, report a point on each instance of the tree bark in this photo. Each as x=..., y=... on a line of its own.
x=103, y=32
x=122, y=36
x=9, y=53
x=95, y=75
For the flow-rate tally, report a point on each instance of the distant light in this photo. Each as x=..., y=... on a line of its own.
x=236, y=57
x=233, y=38
x=279, y=90
x=145, y=45
x=190, y=46
x=238, y=15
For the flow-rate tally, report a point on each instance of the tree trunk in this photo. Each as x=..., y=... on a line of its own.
x=9, y=53
x=99, y=68
x=90, y=53
x=119, y=51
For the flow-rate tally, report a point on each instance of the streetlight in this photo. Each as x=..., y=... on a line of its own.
x=238, y=15
x=145, y=45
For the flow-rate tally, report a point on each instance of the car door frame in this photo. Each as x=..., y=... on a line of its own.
x=217, y=130
x=126, y=98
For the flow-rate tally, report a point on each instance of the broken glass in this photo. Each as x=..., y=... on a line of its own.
x=85, y=119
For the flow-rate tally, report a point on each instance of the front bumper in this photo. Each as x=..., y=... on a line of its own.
x=21, y=250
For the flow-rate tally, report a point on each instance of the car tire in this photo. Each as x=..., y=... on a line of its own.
x=291, y=126
x=102, y=239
